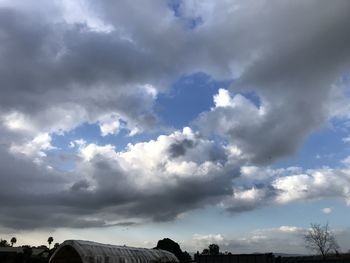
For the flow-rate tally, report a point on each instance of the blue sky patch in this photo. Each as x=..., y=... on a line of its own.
x=189, y=96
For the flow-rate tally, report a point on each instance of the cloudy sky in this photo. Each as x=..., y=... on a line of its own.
x=125, y=122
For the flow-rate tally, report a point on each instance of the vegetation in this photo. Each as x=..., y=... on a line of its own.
x=320, y=239
x=50, y=240
x=173, y=247
x=205, y=251
x=3, y=243
x=13, y=241
x=27, y=255
x=213, y=249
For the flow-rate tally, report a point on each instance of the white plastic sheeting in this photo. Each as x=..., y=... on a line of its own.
x=78, y=251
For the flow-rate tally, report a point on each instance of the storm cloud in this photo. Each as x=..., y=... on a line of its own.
x=110, y=188
x=105, y=63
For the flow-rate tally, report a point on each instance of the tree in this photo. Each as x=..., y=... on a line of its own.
x=3, y=243
x=186, y=256
x=205, y=251
x=55, y=246
x=50, y=240
x=173, y=247
x=214, y=249
x=320, y=239
x=13, y=241
x=27, y=253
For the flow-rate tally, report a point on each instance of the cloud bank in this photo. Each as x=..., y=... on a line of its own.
x=105, y=63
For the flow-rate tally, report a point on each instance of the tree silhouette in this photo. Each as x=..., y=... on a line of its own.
x=50, y=240
x=173, y=247
x=205, y=251
x=186, y=256
x=27, y=253
x=3, y=243
x=214, y=249
x=320, y=239
x=13, y=241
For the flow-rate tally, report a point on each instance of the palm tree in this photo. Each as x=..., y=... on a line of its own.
x=13, y=241
x=50, y=240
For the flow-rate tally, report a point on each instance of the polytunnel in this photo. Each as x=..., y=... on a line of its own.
x=78, y=251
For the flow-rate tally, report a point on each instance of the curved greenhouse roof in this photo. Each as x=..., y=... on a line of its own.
x=78, y=251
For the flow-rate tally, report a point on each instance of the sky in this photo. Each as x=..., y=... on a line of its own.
x=126, y=122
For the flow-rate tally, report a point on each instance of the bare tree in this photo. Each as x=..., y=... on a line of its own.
x=320, y=239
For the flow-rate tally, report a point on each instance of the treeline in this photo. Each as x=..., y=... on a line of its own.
x=26, y=253
x=4, y=243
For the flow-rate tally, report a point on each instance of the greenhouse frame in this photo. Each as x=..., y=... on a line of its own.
x=79, y=251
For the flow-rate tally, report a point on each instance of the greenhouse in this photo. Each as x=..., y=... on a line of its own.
x=78, y=251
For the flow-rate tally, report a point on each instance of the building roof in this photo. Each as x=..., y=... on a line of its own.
x=80, y=251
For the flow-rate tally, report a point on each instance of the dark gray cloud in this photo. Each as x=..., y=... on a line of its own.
x=186, y=195
x=57, y=69
x=301, y=54
x=55, y=75
x=80, y=185
x=256, y=197
x=107, y=190
x=179, y=148
x=59, y=65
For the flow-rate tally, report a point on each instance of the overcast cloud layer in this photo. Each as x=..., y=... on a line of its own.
x=63, y=65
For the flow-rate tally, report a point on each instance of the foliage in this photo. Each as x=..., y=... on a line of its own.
x=27, y=251
x=13, y=241
x=50, y=240
x=55, y=246
x=205, y=251
x=3, y=243
x=320, y=239
x=186, y=256
x=173, y=247
x=43, y=247
x=214, y=249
